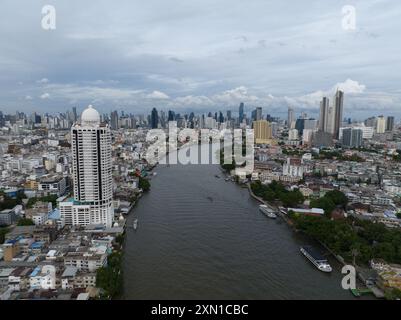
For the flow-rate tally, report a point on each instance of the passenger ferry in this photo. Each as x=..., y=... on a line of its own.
x=267, y=211
x=316, y=258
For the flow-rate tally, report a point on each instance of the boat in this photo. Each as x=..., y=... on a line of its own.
x=267, y=211
x=135, y=224
x=316, y=258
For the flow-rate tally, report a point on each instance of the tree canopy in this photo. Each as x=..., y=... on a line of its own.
x=277, y=191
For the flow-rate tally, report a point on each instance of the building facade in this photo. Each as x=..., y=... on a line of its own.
x=92, y=173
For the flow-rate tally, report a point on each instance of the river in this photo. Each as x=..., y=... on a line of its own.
x=201, y=237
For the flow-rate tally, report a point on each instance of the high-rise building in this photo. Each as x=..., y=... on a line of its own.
x=262, y=131
x=310, y=124
x=241, y=112
x=257, y=114
x=92, y=173
x=324, y=108
x=371, y=122
x=74, y=113
x=290, y=117
x=381, y=124
x=390, y=124
x=114, y=120
x=307, y=136
x=171, y=115
x=293, y=134
x=154, y=119
x=221, y=117
x=331, y=115
x=322, y=139
x=338, y=112
x=352, y=137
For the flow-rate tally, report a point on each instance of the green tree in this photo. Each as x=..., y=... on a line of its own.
x=144, y=184
x=292, y=198
x=25, y=222
x=269, y=195
x=50, y=198
x=393, y=294
x=110, y=278
x=323, y=203
x=338, y=197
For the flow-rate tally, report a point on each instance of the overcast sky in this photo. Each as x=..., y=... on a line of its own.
x=204, y=55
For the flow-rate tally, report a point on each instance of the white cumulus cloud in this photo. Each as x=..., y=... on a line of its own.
x=45, y=96
x=158, y=95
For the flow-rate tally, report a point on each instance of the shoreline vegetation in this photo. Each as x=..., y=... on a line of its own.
x=109, y=279
x=355, y=241
x=348, y=239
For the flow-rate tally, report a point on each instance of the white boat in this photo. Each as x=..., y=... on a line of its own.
x=316, y=258
x=267, y=211
x=135, y=224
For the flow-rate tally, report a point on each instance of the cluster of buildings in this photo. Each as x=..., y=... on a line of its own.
x=45, y=262
x=332, y=128
x=73, y=187
x=76, y=177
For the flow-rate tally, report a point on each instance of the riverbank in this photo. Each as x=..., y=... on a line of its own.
x=362, y=288
x=110, y=278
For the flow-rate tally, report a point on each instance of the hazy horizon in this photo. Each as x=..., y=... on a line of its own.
x=201, y=57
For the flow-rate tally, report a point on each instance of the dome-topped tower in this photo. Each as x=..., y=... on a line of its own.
x=90, y=117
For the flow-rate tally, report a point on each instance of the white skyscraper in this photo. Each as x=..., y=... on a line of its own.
x=92, y=173
x=381, y=124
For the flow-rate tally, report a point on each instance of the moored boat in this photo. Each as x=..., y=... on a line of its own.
x=267, y=211
x=316, y=258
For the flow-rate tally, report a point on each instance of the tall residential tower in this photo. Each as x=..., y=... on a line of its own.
x=92, y=173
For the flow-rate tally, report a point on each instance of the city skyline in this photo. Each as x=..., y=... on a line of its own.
x=137, y=58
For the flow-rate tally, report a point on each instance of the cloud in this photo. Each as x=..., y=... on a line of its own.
x=43, y=81
x=349, y=86
x=28, y=97
x=235, y=96
x=45, y=96
x=192, y=56
x=158, y=95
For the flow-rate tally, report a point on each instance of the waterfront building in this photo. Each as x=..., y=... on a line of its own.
x=92, y=176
